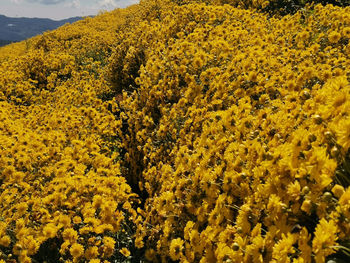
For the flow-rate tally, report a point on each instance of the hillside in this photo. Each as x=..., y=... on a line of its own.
x=14, y=29
x=179, y=131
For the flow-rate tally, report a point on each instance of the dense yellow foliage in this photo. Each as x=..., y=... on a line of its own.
x=60, y=174
x=188, y=130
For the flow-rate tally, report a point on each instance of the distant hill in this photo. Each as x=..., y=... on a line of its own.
x=17, y=29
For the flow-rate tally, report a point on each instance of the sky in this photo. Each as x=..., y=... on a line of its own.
x=59, y=9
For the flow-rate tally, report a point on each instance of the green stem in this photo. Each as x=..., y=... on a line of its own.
x=344, y=249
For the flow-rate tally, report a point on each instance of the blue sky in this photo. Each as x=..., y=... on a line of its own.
x=59, y=9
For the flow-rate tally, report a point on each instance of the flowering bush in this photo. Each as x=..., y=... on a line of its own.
x=63, y=197
x=190, y=131
x=233, y=136
x=273, y=7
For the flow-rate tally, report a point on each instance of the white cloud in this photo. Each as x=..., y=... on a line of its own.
x=46, y=2
x=73, y=4
x=16, y=1
x=107, y=4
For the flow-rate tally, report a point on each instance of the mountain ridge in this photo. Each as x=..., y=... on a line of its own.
x=14, y=29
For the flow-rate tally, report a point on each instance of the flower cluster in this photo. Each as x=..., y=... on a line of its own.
x=61, y=187
x=236, y=129
x=193, y=131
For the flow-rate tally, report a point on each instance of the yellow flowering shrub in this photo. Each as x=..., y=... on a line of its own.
x=62, y=191
x=237, y=130
x=272, y=7
x=190, y=131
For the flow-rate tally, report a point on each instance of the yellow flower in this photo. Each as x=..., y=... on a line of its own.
x=339, y=99
x=325, y=239
x=304, y=35
x=188, y=229
x=76, y=250
x=326, y=74
x=265, y=4
x=64, y=220
x=343, y=134
x=139, y=242
x=97, y=201
x=70, y=235
x=303, y=244
x=108, y=246
x=345, y=198
x=346, y=32
x=294, y=190
x=176, y=247
x=125, y=252
x=283, y=248
x=5, y=241
x=197, y=62
x=31, y=244
x=50, y=231
x=77, y=220
x=224, y=252
x=22, y=208
x=334, y=37
x=64, y=247
x=91, y=252
x=252, y=76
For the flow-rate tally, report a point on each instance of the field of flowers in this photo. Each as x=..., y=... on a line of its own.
x=179, y=131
